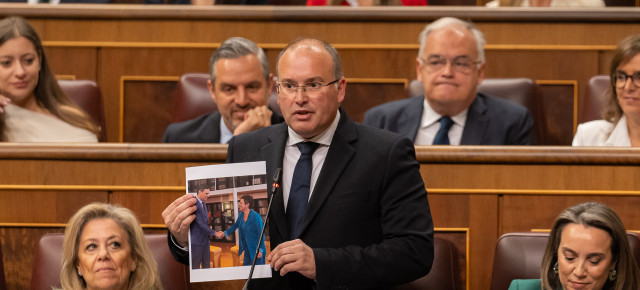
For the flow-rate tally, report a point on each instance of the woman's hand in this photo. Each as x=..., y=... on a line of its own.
x=3, y=102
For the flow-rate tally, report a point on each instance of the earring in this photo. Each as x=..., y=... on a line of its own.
x=80, y=273
x=612, y=274
x=555, y=268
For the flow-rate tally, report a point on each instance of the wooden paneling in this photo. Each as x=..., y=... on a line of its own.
x=108, y=42
x=487, y=190
x=145, y=119
x=145, y=63
x=460, y=238
x=79, y=62
x=19, y=247
x=558, y=103
x=40, y=205
x=366, y=93
x=549, y=206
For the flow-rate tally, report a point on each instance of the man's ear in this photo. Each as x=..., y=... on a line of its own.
x=481, y=73
x=418, y=70
x=212, y=90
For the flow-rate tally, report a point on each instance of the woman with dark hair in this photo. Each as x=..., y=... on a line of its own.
x=33, y=107
x=621, y=124
x=250, y=224
x=587, y=249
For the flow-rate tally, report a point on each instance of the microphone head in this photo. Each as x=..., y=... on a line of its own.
x=276, y=176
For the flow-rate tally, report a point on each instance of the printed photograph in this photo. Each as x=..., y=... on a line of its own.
x=231, y=207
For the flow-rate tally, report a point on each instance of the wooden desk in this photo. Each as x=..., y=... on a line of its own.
x=476, y=193
x=136, y=53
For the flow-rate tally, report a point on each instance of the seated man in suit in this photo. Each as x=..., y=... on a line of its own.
x=352, y=211
x=450, y=65
x=240, y=85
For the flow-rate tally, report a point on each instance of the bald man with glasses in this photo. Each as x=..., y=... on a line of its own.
x=450, y=65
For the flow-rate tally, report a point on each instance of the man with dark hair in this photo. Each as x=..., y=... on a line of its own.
x=240, y=85
x=201, y=231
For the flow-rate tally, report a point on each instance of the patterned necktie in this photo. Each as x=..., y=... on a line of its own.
x=300, y=185
x=442, y=137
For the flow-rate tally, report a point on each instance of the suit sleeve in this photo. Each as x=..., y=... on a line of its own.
x=521, y=135
x=166, y=138
x=178, y=254
x=370, y=119
x=405, y=252
x=578, y=139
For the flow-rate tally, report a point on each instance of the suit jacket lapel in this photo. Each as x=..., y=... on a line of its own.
x=273, y=153
x=409, y=120
x=338, y=157
x=476, y=124
x=213, y=134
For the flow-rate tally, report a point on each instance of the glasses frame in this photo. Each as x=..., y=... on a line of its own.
x=304, y=87
x=635, y=79
x=460, y=69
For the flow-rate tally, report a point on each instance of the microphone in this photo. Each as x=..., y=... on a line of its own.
x=274, y=187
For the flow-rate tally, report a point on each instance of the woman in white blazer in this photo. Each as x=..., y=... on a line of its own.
x=621, y=117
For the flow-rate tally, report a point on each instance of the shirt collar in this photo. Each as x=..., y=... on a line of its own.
x=225, y=134
x=323, y=138
x=430, y=117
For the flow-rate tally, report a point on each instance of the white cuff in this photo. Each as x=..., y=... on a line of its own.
x=186, y=249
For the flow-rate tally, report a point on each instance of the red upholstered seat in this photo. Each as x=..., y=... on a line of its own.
x=48, y=263
x=86, y=94
x=192, y=98
x=594, y=98
x=444, y=272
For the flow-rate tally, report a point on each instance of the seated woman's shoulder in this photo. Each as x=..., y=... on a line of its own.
x=525, y=284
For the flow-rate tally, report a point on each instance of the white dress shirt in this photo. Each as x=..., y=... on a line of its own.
x=292, y=154
x=430, y=124
x=225, y=134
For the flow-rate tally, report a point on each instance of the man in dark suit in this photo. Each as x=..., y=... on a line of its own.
x=240, y=85
x=450, y=65
x=201, y=231
x=365, y=222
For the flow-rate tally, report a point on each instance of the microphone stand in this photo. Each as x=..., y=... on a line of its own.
x=274, y=188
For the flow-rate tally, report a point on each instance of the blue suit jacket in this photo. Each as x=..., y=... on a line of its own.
x=490, y=120
x=200, y=230
x=251, y=233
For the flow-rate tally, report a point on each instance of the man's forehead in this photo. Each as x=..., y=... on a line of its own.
x=306, y=65
x=456, y=37
x=248, y=64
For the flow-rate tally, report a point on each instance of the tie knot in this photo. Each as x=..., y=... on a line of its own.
x=446, y=122
x=307, y=148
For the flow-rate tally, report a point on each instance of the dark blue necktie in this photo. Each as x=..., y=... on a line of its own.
x=442, y=137
x=300, y=184
x=206, y=212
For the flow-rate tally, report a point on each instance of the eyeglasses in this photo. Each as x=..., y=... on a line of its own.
x=620, y=78
x=292, y=88
x=461, y=64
